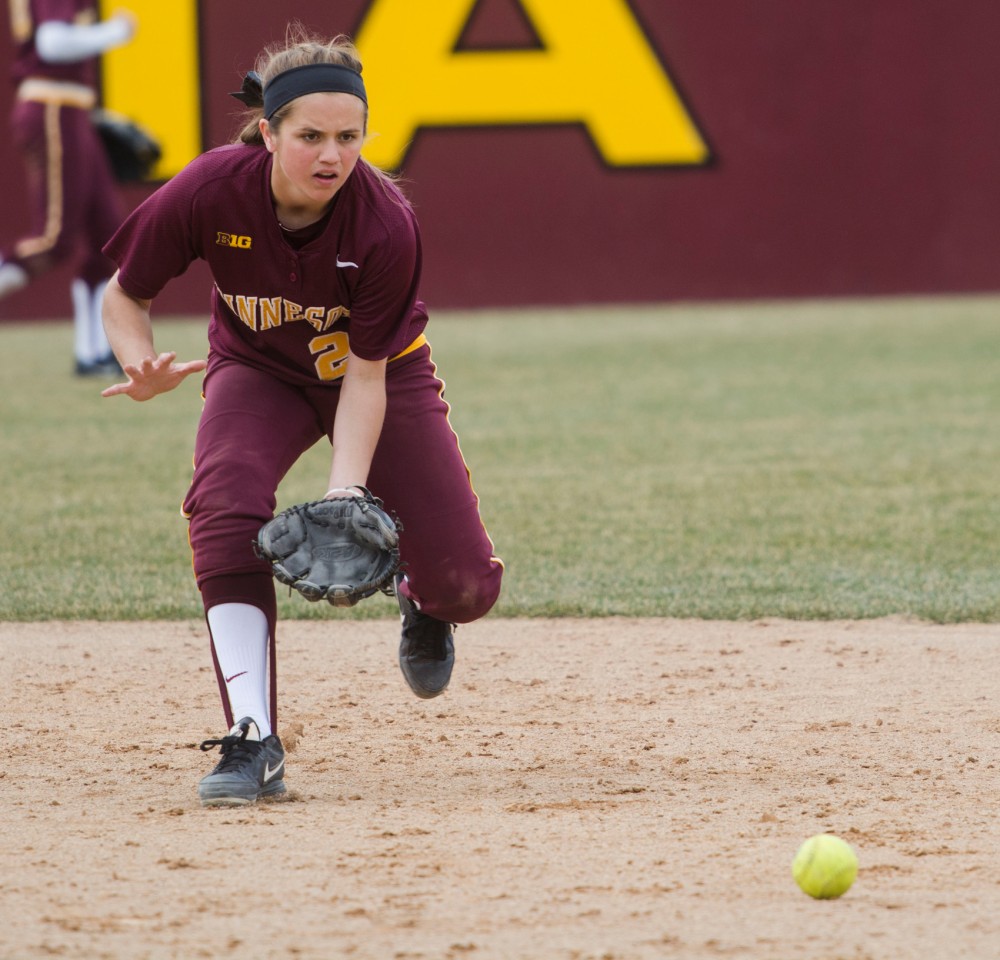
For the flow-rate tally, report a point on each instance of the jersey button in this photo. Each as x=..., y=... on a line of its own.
x=293, y=277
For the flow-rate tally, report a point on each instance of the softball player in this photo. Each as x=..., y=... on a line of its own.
x=316, y=330
x=72, y=193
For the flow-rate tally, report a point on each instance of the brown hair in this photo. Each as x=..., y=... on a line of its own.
x=299, y=49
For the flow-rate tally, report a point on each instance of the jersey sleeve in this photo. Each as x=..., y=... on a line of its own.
x=59, y=42
x=383, y=302
x=157, y=242
x=28, y=16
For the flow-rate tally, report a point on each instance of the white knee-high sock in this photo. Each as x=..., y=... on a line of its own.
x=240, y=637
x=98, y=338
x=83, y=341
x=12, y=278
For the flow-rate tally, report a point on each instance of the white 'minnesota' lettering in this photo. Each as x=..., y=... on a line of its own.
x=266, y=313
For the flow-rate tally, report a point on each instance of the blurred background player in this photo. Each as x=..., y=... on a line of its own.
x=74, y=202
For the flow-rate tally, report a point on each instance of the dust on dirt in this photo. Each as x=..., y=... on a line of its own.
x=585, y=789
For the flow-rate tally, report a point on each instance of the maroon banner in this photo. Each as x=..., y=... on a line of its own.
x=710, y=150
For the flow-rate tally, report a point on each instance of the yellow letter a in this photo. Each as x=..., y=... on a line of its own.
x=596, y=68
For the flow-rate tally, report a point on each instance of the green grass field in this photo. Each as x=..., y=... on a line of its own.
x=800, y=459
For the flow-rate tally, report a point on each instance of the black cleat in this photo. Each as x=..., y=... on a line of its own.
x=251, y=769
x=426, y=649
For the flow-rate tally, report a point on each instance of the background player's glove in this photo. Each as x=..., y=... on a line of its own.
x=341, y=550
x=133, y=151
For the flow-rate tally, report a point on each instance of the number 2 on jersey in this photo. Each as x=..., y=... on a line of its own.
x=330, y=352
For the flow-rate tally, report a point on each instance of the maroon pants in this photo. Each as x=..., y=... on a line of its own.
x=254, y=428
x=74, y=201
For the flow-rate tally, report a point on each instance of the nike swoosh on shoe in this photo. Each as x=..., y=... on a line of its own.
x=269, y=773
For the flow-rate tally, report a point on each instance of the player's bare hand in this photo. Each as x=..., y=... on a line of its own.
x=152, y=376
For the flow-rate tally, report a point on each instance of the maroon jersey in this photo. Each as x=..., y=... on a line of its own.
x=25, y=16
x=287, y=310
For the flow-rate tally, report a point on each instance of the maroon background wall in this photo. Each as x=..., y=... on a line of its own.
x=854, y=146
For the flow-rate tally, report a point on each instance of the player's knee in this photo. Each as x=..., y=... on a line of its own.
x=226, y=483
x=471, y=596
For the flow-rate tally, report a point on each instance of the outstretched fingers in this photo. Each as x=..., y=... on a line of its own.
x=153, y=375
x=190, y=366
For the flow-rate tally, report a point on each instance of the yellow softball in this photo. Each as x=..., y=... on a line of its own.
x=825, y=866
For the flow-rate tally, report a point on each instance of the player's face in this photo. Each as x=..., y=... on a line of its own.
x=315, y=148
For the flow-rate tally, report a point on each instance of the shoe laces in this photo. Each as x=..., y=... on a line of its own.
x=427, y=637
x=235, y=750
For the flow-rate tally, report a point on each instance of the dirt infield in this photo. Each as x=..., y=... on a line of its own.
x=587, y=790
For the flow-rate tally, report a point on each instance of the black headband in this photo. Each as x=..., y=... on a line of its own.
x=312, y=78
x=297, y=82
